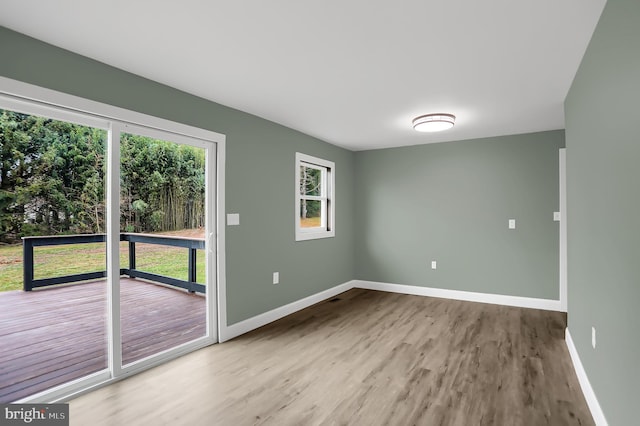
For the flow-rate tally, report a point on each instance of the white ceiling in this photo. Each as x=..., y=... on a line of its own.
x=353, y=72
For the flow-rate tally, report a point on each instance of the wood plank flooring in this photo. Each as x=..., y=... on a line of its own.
x=55, y=335
x=365, y=358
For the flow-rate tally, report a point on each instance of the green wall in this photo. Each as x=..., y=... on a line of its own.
x=259, y=175
x=446, y=202
x=451, y=202
x=603, y=184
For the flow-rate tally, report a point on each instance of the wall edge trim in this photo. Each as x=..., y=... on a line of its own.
x=245, y=326
x=250, y=324
x=585, y=385
x=468, y=296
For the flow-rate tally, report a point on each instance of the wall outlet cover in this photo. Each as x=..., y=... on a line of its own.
x=433, y=264
x=512, y=224
x=276, y=277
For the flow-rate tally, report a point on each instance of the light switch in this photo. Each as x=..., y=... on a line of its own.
x=556, y=216
x=233, y=219
x=512, y=224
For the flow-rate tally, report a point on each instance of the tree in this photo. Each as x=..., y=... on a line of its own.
x=52, y=180
x=310, y=184
x=169, y=177
x=19, y=155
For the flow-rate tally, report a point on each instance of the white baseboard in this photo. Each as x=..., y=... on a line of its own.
x=587, y=390
x=496, y=299
x=229, y=332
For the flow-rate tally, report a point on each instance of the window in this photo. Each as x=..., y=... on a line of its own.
x=315, y=209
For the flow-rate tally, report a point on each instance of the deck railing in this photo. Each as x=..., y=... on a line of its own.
x=192, y=244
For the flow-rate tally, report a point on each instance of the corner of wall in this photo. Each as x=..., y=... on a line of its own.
x=585, y=385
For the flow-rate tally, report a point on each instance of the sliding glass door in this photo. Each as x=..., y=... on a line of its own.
x=117, y=267
x=164, y=194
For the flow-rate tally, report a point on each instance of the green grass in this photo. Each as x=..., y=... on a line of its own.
x=10, y=267
x=55, y=261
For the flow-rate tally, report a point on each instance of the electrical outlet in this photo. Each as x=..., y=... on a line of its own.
x=593, y=337
x=512, y=224
x=433, y=264
x=276, y=277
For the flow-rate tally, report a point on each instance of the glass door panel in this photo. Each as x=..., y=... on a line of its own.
x=53, y=296
x=163, y=274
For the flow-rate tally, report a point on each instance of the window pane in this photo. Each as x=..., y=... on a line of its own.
x=310, y=213
x=310, y=181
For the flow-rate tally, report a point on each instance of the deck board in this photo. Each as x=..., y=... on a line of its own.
x=51, y=336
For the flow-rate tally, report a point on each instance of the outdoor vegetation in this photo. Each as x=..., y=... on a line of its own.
x=310, y=186
x=52, y=182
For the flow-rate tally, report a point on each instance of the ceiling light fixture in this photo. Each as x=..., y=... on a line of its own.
x=434, y=122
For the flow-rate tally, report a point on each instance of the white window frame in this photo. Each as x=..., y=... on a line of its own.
x=327, y=229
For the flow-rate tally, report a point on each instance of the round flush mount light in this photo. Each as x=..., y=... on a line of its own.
x=434, y=122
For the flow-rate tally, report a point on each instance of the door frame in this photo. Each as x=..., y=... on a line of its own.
x=562, y=156
x=116, y=131
x=73, y=108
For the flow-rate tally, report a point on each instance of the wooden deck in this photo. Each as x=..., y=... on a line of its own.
x=52, y=336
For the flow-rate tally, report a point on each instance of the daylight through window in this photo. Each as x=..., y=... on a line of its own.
x=314, y=198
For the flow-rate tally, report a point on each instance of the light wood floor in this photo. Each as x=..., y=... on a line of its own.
x=368, y=358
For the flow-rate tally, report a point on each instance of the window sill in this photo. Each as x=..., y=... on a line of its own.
x=305, y=236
